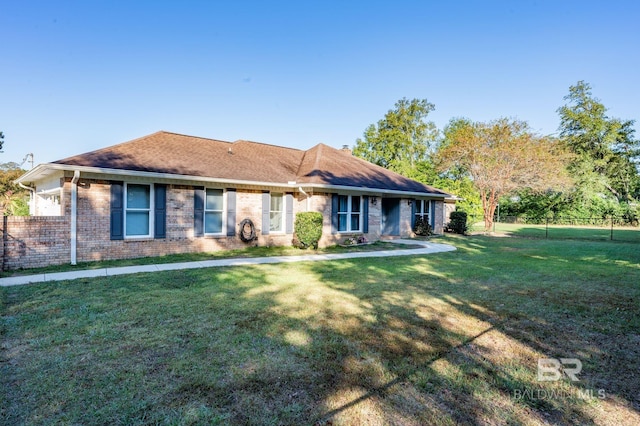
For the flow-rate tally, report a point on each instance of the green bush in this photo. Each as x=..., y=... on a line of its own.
x=307, y=229
x=422, y=227
x=458, y=222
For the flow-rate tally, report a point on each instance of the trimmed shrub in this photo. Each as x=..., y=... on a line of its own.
x=307, y=229
x=458, y=222
x=422, y=227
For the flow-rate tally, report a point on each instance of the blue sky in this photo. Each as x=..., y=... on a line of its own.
x=81, y=75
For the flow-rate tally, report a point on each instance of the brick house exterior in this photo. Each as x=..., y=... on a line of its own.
x=168, y=193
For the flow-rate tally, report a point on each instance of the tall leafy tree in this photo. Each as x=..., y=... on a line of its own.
x=402, y=139
x=1, y=141
x=501, y=157
x=13, y=198
x=606, y=152
x=455, y=179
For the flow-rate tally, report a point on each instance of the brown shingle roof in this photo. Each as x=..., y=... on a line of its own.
x=171, y=153
x=323, y=164
x=165, y=152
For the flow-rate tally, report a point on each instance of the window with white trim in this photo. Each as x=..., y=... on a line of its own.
x=349, y=213
x=138, y=205
x=276, y=212
x=214, y=211
x=423, y=210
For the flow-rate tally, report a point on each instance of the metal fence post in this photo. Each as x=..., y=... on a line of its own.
x=611, y=228
x=546, y=230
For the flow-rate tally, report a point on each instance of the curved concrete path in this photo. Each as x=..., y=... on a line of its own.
x=426, y=247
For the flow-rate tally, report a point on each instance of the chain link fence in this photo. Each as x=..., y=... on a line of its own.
x=591, y=228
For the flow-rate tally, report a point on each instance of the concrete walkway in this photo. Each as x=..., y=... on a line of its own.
x=426, y=247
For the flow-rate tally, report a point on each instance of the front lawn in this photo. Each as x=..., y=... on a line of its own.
x=248, y=252
x=440, y=339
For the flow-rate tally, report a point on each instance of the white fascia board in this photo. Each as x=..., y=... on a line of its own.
x=45, y=169
x=454, y=198
x=373, y=191
x=35, y=173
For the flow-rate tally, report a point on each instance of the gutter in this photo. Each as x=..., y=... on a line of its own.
x=74, y=216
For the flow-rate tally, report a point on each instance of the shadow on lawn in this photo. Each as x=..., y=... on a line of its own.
x=394, y=341
x=475, y=362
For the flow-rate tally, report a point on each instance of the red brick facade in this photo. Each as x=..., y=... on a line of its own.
x=31, y=242
x=94, y=241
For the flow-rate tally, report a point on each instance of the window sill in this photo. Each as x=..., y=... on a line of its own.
x=137, y=239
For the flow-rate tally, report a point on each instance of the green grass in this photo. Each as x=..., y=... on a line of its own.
x=258, y=251
x=441, y=339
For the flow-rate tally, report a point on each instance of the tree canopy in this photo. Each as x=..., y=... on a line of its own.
x=606, y=152
x=402, y=139
x=604, y=165
x=500, y=157
x=13, y=198
x=1, y=141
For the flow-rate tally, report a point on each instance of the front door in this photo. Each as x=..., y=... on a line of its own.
x=390, y=216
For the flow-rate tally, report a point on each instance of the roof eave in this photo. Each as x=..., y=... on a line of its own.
x=44, y=170
x=40, y=171
x=373, y=191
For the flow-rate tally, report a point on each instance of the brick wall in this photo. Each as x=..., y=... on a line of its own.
x=439, y=217
x=36, y=241
x=448, y=209
x=40, y=241
x=405, y=219
x=94, y=241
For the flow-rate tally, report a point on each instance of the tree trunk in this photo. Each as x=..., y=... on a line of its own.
x=489, y=208
x=485, y=205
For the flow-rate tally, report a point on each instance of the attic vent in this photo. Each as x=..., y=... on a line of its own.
x=346, y=149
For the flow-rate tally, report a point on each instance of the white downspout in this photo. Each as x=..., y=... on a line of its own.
x=306, y=196
x=74, y=216
x=32, y=198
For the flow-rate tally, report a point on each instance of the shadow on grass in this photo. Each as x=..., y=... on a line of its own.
x=471, y=374
x=450, y=338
